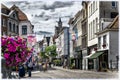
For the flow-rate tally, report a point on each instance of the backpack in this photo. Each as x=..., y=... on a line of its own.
x=30, y=64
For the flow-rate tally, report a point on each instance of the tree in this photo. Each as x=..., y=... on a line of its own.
x=51, y=51
x=43, y=55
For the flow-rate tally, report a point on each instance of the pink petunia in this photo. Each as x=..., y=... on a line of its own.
x=6, y=55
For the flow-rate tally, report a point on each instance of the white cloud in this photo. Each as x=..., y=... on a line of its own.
x=46, y=18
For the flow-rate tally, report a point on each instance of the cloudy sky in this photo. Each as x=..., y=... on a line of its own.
x=45, y=14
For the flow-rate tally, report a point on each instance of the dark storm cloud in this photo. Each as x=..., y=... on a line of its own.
x=57, y=4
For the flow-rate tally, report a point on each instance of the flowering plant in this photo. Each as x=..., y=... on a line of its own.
x=104, y=45
x=14, y=50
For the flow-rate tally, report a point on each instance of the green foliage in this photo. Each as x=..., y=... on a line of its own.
x=51, y=51
x=57, y=62
x=43, y=55
x=72, y=64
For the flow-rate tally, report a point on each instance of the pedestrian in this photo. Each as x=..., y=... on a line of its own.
x=40, y=66
x=45, y=67
x=21, y=71
x=30, y=66
x=65, y=64
x=49, y=64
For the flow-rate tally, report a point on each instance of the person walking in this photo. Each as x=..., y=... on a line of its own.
x=21, y=71
x=45, y=67
x=30, y=66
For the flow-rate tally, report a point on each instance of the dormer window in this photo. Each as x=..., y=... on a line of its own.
x=13, y=15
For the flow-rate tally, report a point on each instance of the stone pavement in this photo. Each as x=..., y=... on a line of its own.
x=61, y=73
x=83, y=71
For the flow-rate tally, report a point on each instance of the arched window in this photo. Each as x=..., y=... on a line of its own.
x=10, y=28
x=13, y=27
x=17, y=29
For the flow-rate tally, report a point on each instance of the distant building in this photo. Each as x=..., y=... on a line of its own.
x=62, y=44
x=75, y=41
x=58, y=28
x=84, y=24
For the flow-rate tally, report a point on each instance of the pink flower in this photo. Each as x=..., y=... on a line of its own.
x=4, y=41
x=15, y=50
x=18, y=59
x=11, y=48
x=6, y=55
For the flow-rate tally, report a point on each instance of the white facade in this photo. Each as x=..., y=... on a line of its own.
x=60, y=45
x=57, y=46
x=93, y=22
x=51, y=41
x=61, y=38
x=71, y=42
x=79, y=27
x=111, y=46
x=101, y=43
x=29, y=28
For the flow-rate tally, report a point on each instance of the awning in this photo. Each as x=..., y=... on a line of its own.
x=95, y=55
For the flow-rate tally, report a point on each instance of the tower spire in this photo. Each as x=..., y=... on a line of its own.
x=60, y=22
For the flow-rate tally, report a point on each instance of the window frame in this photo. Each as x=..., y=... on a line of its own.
x=24, y=29
x=3, y=22
x=99, y=42
x=10, y=26
x=115, y=4
x=104, y=39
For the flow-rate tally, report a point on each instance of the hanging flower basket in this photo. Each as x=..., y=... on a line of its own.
x=14, y=50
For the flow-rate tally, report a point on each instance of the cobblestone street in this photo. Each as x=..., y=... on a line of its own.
x=59, y=73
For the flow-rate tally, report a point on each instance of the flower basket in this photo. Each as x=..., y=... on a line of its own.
x=15, y=50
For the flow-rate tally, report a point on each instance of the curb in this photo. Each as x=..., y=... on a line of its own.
x=84, y=71
x=69, y=70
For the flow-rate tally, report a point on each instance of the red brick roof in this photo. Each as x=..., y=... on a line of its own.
x=21, y=15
